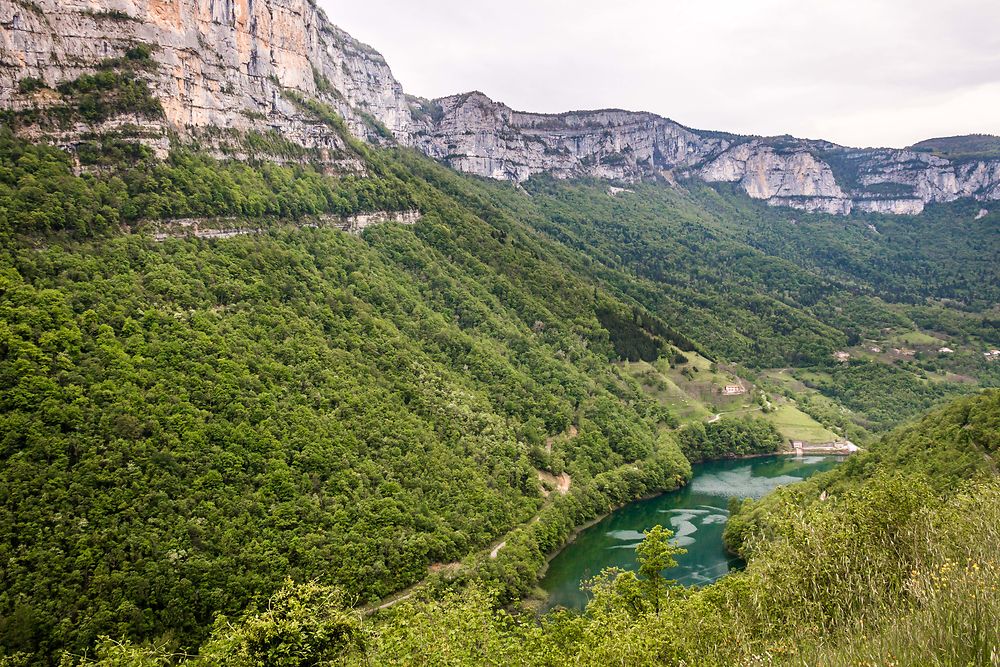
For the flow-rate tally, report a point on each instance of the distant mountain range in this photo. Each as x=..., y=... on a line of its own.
x=224, y=67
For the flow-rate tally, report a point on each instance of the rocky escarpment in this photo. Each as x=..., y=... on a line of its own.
x=218, y=64
x=795, y=178
x=225, y=68
x=473, y=133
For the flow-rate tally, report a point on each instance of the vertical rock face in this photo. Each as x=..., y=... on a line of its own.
x=475, y=134
x=229, y=66
x=220, y=63
x=796, y=178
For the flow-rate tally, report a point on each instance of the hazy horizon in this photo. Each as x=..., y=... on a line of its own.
x=858, y=73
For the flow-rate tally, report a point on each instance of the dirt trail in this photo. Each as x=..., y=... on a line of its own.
x=562, y=484
x=496, y=550
x=386, y=605
x=743, y=411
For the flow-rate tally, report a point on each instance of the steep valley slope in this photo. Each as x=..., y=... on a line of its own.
x=227, y=443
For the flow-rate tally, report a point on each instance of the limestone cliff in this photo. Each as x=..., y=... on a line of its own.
x=221, y=64
x=222, y=68
x=475, y=134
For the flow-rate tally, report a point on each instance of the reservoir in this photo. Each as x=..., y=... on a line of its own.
x=697, y=515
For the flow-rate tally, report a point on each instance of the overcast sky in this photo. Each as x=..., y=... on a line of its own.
x=858, y=72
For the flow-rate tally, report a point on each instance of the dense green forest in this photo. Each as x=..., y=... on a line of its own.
x=193, y=421
x=229, y=446
x=945, y=253
x=731, y=437
x=890, y=560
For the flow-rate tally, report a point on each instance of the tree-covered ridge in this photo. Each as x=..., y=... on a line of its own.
x=736, y=303
x=188, y=423
x=39, y=191
x=959, y=441
x=969, y=146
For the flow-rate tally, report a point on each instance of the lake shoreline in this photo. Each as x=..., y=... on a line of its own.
x=540, y=602
x=596, y=520
x=537, y=603
x=649, y=496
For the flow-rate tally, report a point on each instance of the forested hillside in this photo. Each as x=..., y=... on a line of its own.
x=770, y=288
x=894, y=564
x=189, y=423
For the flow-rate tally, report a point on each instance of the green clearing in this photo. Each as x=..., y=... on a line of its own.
x=797, y=425
x=665, y=391
x=700, y=382
x=915, y=338
x=693, y=390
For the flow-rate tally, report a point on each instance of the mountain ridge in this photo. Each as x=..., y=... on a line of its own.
x=224, y=67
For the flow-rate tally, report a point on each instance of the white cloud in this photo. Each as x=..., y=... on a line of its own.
x=859, y=72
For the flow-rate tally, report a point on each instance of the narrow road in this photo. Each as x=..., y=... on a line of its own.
x=390, y=603
x=715, y=418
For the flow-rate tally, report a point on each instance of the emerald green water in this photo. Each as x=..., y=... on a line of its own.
x=697, y=514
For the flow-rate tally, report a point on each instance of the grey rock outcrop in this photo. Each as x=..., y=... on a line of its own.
x=475, y=134
x=797, y=178
x=219, y=63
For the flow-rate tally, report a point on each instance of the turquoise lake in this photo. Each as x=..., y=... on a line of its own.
x=697, y=514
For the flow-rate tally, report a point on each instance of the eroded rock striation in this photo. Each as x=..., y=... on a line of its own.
x=225, y=67
x=473, y=133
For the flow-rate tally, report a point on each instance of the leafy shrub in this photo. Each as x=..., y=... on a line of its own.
x=30, y=84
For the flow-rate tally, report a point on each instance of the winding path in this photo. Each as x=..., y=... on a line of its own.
x=562, y=483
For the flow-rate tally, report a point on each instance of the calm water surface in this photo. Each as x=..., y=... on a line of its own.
x=697, y=514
